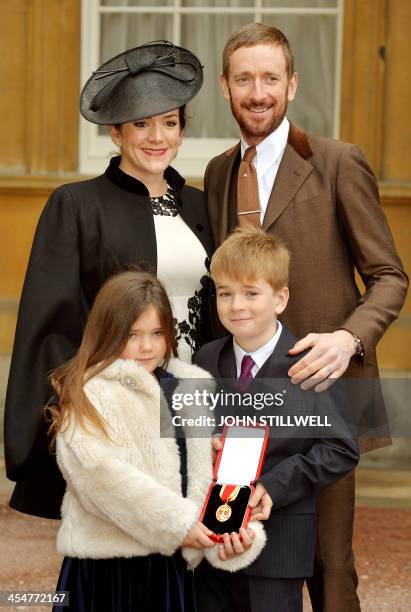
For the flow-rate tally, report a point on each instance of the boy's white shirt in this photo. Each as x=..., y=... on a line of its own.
x=123, y=496
x=259, y=356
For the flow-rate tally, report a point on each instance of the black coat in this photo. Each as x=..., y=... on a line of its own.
x=87, y=231
x=296, y=469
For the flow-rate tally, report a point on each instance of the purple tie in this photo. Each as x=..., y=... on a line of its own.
x=245, y=377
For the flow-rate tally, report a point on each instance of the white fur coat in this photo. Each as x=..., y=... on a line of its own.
x=123, y=495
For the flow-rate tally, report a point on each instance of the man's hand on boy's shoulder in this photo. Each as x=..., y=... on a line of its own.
x=261, y=503
x=327, y=360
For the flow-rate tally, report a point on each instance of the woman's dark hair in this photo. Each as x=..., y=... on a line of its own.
x=181, y=117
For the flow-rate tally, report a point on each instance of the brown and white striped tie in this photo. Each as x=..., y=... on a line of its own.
x=248, y=203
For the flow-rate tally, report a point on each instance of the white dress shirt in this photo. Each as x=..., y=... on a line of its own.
x=267, y=160
x=259, y=356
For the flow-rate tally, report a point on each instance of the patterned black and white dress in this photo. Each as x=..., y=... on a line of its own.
x=178, y=249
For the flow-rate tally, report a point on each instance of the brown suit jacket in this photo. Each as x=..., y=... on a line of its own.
x=325, y=206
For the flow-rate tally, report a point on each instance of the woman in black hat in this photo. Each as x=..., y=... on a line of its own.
x=139, y=212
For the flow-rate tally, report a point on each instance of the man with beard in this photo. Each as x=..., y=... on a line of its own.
x=321, y=198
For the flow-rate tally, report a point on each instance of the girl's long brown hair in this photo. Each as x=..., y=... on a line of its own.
x=120, y=301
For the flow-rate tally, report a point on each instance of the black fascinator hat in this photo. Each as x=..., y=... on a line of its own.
x=149, y=80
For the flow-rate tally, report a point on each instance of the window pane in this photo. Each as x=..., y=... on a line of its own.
x=118, y=3
x=226, y=3
x=121, y=32
x=206, y=36
x=300, y=3
x=125, y=31
x=312, y=40
x=313, y=43
x=212, y=3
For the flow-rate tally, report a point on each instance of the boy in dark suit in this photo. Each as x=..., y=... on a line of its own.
x=250, y=272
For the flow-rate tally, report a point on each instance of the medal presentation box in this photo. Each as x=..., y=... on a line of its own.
x=237, y=467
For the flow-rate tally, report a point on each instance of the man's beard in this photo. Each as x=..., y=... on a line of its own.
x=251, y=130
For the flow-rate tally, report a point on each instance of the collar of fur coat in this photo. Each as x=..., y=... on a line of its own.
x=136, y=379
x=134, y=376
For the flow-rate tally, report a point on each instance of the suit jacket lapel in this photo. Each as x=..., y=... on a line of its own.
x=293, y=171
x=226, y=360
x=224, y=179
x=279, y=362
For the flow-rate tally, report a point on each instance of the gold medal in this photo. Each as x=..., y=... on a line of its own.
x=228, y=493
x=223, y=513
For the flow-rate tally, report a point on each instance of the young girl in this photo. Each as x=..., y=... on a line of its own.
x=133, y=498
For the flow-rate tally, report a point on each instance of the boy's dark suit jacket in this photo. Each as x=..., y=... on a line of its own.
x=295, y=469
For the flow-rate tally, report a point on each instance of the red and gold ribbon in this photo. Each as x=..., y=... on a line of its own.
x=228, y=493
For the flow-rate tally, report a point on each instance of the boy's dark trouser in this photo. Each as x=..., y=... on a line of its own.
x=334, y=583
x=220, y=591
